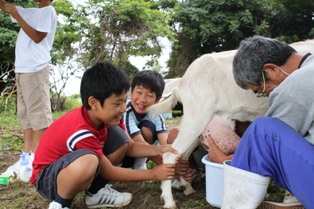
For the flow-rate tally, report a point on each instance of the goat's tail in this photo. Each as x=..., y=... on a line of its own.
x=163, y=106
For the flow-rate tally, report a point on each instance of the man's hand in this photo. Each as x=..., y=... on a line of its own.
x=188, y=176
x=182, y=166
x=164, y=172
x=215, y=154
x=183, y=169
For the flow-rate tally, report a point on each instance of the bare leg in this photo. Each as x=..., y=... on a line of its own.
x=172, y=135
x=147, y=135
x=38, y=134
x=28, y=140
x=117, y=156
x=76, y=178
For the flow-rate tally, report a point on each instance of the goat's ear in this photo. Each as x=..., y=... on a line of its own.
x=158, y=99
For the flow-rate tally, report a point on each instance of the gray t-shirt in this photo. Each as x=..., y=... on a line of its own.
x=293, y=100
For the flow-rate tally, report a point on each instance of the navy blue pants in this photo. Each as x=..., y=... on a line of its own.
x=271, y=148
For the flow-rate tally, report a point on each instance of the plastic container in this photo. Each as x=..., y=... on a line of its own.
x=26, y=169
x=214, y=182
x=4, y=180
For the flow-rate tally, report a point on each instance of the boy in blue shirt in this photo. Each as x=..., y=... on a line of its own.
x=146, y=89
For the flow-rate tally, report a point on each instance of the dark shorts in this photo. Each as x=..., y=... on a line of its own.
x=46, y=181
x=151, y=126
x=115, y=139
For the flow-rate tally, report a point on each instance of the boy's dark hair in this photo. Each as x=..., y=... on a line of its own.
x=101, y=81
x=149, y=79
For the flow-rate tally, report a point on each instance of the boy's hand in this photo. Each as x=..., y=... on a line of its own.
x=161, y=149
x=11, y=9
x=164, y=172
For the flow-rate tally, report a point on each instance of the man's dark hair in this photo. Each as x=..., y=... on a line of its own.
x=149, y=79
x=253, y=53
x=101, y=81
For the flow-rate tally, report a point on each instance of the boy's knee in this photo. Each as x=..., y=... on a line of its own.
x=91, y=162
x=117, y=156
x=173, y=135
x=147, y=134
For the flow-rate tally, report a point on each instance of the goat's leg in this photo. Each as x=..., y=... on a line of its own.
x=188, y=189
x=166, y=194
x=185, y=143
x=191, y=126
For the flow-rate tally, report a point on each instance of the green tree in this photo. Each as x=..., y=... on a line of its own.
x=219, y=25
x=65, y=54
x=128, y=68
x=124, y=28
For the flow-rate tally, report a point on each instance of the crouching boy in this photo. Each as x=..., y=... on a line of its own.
x=82, y=149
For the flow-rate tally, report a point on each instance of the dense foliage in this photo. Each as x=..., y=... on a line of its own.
x=114, y=30
x=218, y=25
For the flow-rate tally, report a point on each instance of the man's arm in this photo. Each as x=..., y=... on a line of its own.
x=35, y=35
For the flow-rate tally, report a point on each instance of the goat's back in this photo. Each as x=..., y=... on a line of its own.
x=209, y=79
x=303, y=47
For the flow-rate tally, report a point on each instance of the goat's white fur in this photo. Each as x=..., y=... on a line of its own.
x=207, y=89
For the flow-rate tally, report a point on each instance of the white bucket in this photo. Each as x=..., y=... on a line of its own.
x=214, y=182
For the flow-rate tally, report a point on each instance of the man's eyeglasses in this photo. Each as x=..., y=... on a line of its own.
x=262, y=94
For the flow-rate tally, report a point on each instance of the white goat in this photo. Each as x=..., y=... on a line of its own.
x=208, y=89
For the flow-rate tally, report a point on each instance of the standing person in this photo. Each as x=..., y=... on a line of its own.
x=146, y=89
x=279, y=145
x=82, y=149
x=32, y=51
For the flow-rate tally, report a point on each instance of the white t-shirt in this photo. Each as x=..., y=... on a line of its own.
x=32, y=57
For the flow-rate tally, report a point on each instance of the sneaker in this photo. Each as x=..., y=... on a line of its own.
x=55, y=205
x=17, y=166
x=276, y=205
x=107, y=197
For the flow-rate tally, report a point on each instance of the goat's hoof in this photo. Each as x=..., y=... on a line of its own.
x=170, y=205
x=188, y=192
x=166, y=207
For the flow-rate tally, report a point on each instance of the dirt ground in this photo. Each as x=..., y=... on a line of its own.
x=20, y=195
x=146, y=195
